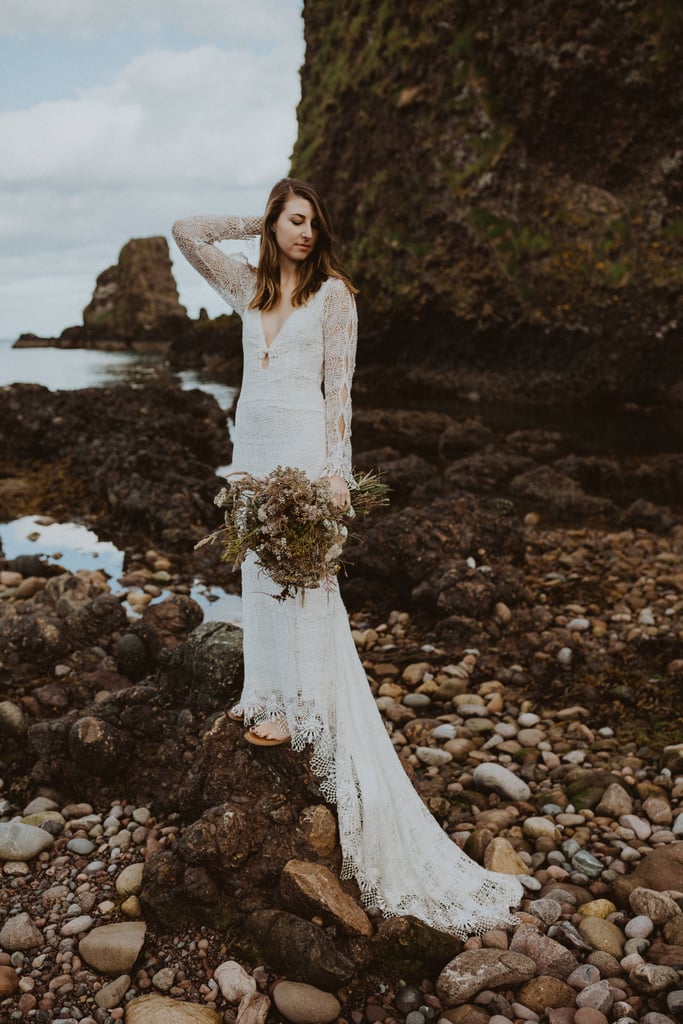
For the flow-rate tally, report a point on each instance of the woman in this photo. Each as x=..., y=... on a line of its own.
x=303, y=678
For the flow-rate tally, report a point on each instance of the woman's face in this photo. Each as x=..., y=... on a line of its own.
x=296, y=229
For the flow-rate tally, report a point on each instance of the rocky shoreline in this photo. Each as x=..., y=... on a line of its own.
x=554, y=751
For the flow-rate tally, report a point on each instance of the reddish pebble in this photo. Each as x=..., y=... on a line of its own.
x=27, y=1003
x=587, y=1015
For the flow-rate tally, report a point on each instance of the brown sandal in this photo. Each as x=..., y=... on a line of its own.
x=236, y=716
x=265, y=741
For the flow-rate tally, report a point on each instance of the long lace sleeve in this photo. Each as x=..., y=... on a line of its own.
x=232, y=279
x=340, y=332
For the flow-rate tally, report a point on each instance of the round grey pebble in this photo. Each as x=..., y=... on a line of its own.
x=80, y=846
x=415, y=1017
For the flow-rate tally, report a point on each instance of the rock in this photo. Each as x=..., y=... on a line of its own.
x=299, y=948
x=500, y=855
x=673, y=930
x=583, y=976
x=432, y=755
x=76, y=925
x=129, y=881
x=658, y=810
x=658, y=906
x=12, y=720
x=545, y=991
x=233, y=981
x=547, y=910
x=588, y=1015
x=164, y=979
x=304, y=1004
x=491, y=777
x=111, y=994
x=156, y=1009
x=409, y=998
x=641, y=926
x=587, y=864
x=534, y=827
x=597, y=996
x=661, y=869
x=113, y=948
x=138, y=296
x=602, y=935
x=319, y=828
x=20, y=933
x=312, y=889
x=208, y=668
x=131, y=656
x=597, y=908
x=651, y=978
x=22, y=842
x=615, y=801
x=96, y=745
x=9, y=981
x=474, y=970
x=549, y=956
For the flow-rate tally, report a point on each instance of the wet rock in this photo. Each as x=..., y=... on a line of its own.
x=409, y=998
x=474, y=970
x=299, y=948
x=113, y=948
x=305, y=1004
x=549, y=956
x=156, y=1009
x=208, y=668
x=22, y=842
x=20, y=933
x=310, y=889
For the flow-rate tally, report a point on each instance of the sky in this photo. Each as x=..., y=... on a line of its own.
x=119, y=116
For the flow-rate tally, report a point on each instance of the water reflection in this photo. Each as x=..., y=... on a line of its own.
x=76, y=547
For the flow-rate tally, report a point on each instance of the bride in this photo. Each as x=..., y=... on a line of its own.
x=303, y=680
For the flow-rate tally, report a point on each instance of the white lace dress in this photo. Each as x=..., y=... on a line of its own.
x=300, y=659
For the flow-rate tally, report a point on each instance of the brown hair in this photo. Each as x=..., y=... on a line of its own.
x=315, y=269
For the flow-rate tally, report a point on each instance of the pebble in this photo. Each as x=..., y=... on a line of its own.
x=305, y=1004
x=83, y=847
x=22, y=842
x=113, y=948
x=433, y=756
x=20, y=933
x=495, y=778
x=77, y=925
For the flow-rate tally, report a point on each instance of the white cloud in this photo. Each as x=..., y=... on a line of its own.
x=258, y=21
x=202, y=129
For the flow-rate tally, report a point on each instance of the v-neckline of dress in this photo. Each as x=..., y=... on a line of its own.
x=279, y=331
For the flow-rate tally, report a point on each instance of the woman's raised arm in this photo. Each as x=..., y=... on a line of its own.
x=232, y=279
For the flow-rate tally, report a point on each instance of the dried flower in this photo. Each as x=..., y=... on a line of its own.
x=291, y=524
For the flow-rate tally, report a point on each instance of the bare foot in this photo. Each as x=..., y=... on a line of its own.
x=275, y=730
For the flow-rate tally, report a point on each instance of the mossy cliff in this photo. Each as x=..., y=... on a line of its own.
x=507, y=180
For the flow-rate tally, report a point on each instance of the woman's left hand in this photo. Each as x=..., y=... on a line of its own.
x=340, y=492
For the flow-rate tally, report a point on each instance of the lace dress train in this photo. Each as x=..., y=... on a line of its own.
x=300, y=659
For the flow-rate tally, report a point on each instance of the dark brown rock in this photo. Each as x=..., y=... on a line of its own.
x=299, y=949
x=660, y=869
x=137, y=298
